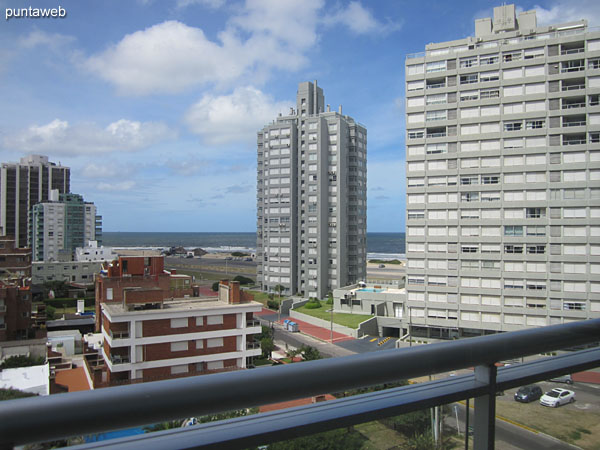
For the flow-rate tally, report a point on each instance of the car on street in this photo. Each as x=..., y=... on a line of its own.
x=557, y=397
x=563, y=379
x=528, y=394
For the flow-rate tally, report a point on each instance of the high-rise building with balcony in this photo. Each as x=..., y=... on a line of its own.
x=311, y=198
x=61, y=224
x=24, y=184
x=503, y=177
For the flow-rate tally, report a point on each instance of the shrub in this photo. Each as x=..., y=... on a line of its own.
x=215, y=286
x=272, y=304
x=21, y=361
x=243, y=280
x=313, y=303
x=50, y=310
x=68, y=302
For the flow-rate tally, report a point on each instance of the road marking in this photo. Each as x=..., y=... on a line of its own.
x=373, y=340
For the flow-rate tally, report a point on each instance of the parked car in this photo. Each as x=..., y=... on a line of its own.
x=557, y=397
x=563, y=379
x=528, y=394
x=381, y=266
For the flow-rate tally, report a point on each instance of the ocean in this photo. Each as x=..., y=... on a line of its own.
x=379, y=245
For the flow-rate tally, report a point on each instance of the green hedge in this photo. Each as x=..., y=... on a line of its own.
x=313, y=304
x=68, y=302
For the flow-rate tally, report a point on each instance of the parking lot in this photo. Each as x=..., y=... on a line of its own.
x=587, y=396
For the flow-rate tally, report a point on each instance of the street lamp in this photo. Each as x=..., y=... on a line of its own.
x=331, y=325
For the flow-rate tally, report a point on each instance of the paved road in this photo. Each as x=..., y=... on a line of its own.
x=282, y=337
x=509, y=436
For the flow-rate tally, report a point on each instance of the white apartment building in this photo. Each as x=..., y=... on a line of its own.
x=148, y=340
x=311, y=199
x=94, y=252
x=503, y=178
x=61, y=224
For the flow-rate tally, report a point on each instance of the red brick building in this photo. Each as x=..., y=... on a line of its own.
x=149, y=337
x=138, y=277
x=15, y=294
x=14, y=262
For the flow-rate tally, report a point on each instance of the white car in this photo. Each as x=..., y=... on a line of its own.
x=557, y=397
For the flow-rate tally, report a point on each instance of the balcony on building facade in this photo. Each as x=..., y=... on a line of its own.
x=252, y=323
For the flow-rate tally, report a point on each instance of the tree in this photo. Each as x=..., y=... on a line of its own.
x=330, y=298
x=340, y=439
x=266, y=341
x=420, y=442
x=310, y=353
x=215, y=286
x=171, y=424
x=267, y=346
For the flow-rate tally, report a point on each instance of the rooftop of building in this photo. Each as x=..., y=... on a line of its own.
x=177, y=304
x=373, y=288
x=505, y=28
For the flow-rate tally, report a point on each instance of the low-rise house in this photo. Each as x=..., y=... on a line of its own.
x=387, y=304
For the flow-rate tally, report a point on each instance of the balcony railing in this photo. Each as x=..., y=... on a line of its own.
x=119, y=334
x=252, y=345
x=44, y=418
x=116, y=359
x=252, y=323
x=573, y=105
x=571, y=51
x=580, y=123
x=574, y=142
x=572, y=87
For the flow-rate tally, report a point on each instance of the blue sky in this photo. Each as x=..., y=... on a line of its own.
x=155, y=104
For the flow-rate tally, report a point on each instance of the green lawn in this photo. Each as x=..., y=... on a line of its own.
x=261, y=297
x=345, y=319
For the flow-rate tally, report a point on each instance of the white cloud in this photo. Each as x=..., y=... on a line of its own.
x=290, y=24
x=188, y=167
x=358, y=19
x=60, y=138
x=265, y=35
x=235, y=117
x=41, y=38
x=114, y=187
x=171, y=56
x=213, y=4
x=105, y=170
x=167, y=57
x=563, y=11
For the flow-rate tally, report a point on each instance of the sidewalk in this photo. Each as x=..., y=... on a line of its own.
x=320, y=333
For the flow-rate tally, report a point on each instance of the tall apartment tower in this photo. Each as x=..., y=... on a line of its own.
x=311, y=198
x=24, y=184
x=62, y=224
x=503, y=178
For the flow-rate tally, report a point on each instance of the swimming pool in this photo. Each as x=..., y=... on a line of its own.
x=370, y=290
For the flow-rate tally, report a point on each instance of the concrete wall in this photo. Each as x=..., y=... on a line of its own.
x=323, y=323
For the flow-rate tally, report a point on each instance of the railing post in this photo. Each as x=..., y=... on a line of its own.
x=485, y=409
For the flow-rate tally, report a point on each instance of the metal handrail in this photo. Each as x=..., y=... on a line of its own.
x=260, y=429
x=44, y=418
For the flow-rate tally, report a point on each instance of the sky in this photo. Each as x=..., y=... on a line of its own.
x=155, y=104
